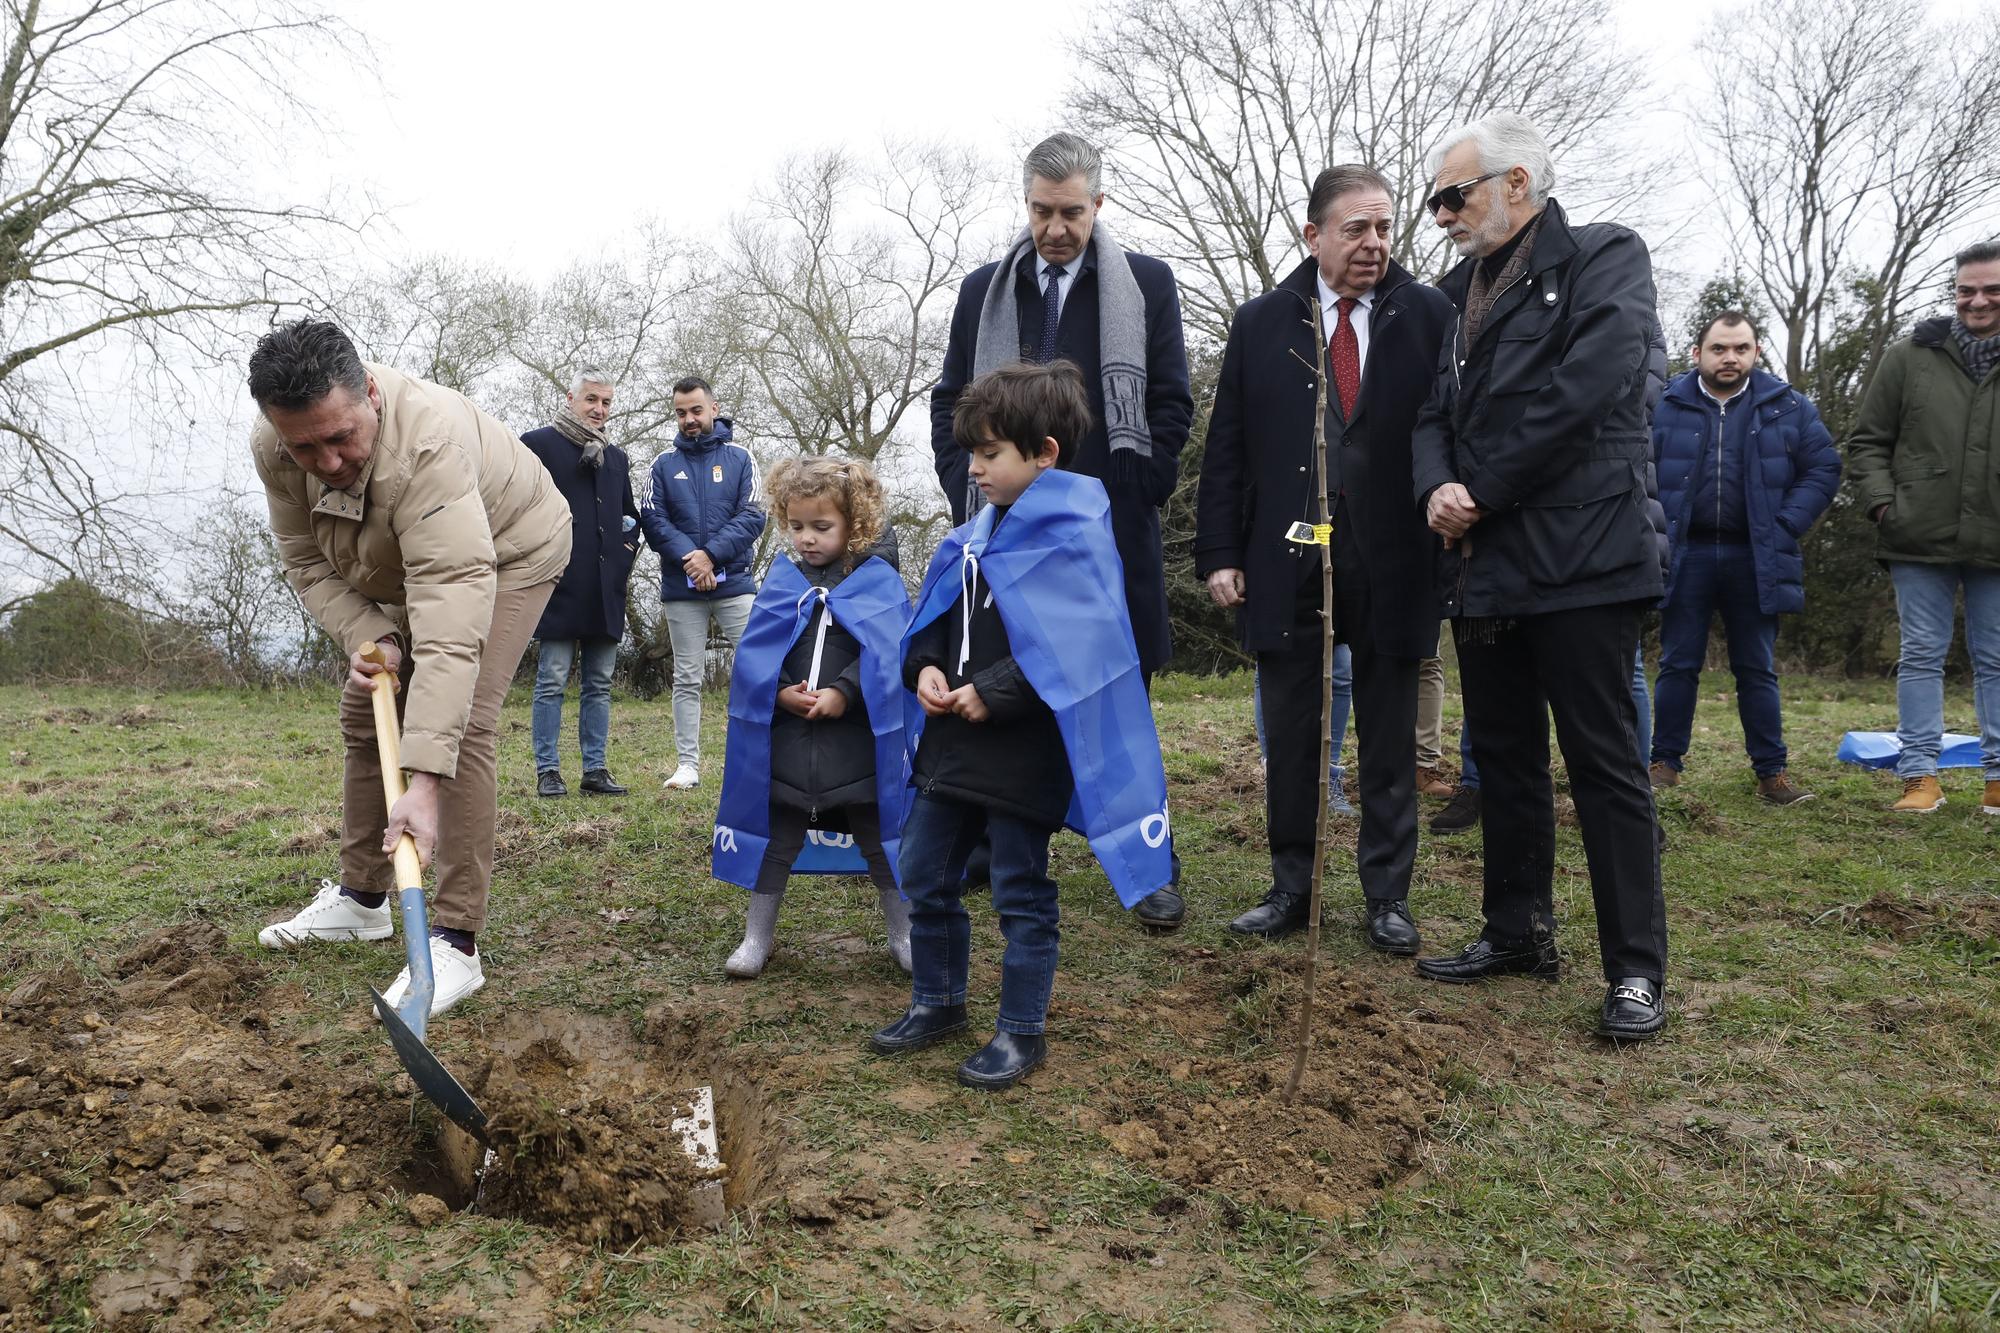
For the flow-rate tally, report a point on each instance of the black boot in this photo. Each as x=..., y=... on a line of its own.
x=1460, y=815
x=1003, y=1062
x=1161, y=909
x=923, y=1025
x=599, y=782
x=549, y=783
x=1635, y=1009
x=1485, y=958
x=1391, y=928
x=1280, y=914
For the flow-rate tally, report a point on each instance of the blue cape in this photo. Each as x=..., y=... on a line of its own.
x=1880, y=749
x=1060, y=590
x=871, y=604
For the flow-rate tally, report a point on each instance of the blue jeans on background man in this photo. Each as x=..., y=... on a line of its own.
x=1718, y=576
x=593, y=714
x=1469, y=777
x=1925, y=597
x=938, y=837
x=1343, y=697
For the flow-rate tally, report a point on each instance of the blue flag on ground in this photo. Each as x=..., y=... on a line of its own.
x=871, y=604
x=1060, y=590
x=1881, y=749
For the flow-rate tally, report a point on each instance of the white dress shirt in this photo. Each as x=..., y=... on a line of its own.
x=1329, y=316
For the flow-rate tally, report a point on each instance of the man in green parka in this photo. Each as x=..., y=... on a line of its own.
x=1925, y=459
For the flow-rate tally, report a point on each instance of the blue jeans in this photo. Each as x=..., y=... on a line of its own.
x=937, y=838
x=593, y=714
x=1924, y=605
x=1715, y=576
x=1469, y=771
x=1343, y=698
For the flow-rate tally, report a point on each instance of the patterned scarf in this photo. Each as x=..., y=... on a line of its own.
x=581, y=434
x=1981, y=354
x=1481, y=295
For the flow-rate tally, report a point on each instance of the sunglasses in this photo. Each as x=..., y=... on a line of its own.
x=1453, y=196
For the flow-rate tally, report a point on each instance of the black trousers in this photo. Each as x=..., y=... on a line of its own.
x=788, y=838
x=1385, y=719
x=1578, y=665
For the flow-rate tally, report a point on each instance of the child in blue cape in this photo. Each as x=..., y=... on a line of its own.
x=1034, y=714
x=816, y=749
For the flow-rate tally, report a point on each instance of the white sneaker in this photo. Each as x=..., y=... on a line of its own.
x=453, y=975
x=684, y=776
x=330, y=916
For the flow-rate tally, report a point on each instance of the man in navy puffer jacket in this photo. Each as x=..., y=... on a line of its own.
x=1745, y=468
x=704, y=518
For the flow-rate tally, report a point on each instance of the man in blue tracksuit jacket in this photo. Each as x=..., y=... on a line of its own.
x=1745, y=468
x=704, y=517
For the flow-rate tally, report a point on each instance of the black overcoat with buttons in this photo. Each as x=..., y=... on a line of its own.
x=589, y=603
x=1257, y=474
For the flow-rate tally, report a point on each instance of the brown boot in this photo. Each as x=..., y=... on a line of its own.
x=1433, y=783
x=1991, y=806
x=1778, y=789
x=1663, y=774
x=1920, y=795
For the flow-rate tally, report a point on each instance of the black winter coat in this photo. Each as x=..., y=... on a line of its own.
x=1135, y=502
x=1257, y=467
x=829, y=764
x=589, y=603
x=1545, y=420
x=1014, y=761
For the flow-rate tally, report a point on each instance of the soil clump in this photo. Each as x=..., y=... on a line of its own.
x=1217, y=1118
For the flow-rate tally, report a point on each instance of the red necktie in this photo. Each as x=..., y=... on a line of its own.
x=1345, y=353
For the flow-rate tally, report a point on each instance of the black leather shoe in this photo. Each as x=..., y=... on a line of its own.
x=1391, y=928
x=1460, y=815
x=599, y=782
x=1485, y=958
x=1280, y=914
x=1161, y=909
x=1635, y=1009
x=923, y=1025
x=1002, y=1062
x=549, y=783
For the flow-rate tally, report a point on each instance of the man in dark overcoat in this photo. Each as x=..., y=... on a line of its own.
x=1532, y=460
x=585, y=619
x=1353, y=312
x=1071, y=292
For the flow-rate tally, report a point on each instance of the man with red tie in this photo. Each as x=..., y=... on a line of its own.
x=1376, y=330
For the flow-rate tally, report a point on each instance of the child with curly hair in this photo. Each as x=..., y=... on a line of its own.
x=816, y=778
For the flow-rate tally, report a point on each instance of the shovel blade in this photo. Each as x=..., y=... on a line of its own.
x=429, y=1074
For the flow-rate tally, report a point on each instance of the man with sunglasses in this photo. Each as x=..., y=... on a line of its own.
x=1531, y=458
x=1925, y=456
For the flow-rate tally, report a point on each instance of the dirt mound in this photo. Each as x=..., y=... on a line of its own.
x=587, y=1121
x=1217, y=1118
x=156, y=1134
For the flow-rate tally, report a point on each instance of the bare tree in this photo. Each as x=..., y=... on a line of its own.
x=842, y=279
x=1847, y=137
x=1219, y=113
x=122, y=123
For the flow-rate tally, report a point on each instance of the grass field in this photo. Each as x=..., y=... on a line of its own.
x=1814, y=1143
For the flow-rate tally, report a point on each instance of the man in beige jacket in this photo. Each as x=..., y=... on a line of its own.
x=407, y=517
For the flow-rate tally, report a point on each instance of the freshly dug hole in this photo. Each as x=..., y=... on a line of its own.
x=581, y=1116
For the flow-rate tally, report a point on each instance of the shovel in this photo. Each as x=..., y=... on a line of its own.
x=406, y=1024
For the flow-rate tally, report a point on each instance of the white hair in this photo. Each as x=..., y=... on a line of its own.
x=590, y=375
x=1505, y=140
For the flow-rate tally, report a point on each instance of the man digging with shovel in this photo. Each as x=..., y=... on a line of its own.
x=406, y=517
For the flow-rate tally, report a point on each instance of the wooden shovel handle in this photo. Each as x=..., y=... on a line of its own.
x=389, y=745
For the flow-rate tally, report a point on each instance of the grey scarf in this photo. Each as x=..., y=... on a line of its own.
x=581, y=434
x=1981, y=354
x=1121, y=344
